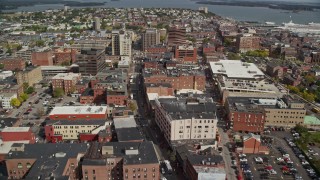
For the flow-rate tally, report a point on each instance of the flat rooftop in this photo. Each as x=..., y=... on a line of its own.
x=66, y=76
x=124, y=122
x=15, y=129
x=236, y=69
x=187, y=108
x=78, y=110
x=53, y=68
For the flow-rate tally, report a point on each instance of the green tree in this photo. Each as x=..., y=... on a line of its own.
x=308, y=96
x=132, y=106
x=25, y=86
x=233, y=56
x=1, y=66
x=40, y=43
x=40, y=111
x=293, y=89
x=310, y=79
x=29, y=90
x=15, y=102
x=58, y=92
x=24, y=97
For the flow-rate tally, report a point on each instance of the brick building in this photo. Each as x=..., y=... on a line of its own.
x=252, y=145
x=186, y=54
x=162, y=89
x=244, y=117
x=83, y=130
x=66, y=56
x=79, y=112
x=177, y=36
x=43, y=57
x=149, y=38
x=200, y=166
x=121, y=160
x=247, y=42
x=66, y=81
x=57, y=161
x=17, y=134
x=13, y=64
x=180, y=76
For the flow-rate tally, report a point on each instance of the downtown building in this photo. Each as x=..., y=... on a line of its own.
x=253, y=114
x=65, y=81
x=247, y=42
x=186, y=119
x=90, y=61
x=150, y=38
x=121, y=43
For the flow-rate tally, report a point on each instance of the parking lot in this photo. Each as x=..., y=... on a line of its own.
x=285, y=160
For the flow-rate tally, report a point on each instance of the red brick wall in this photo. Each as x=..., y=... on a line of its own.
x=241, y=121
x=17, y=173
x=117, y=99
x=77, y=116
x=13, y=64
x=251, y=146
x=42, y=58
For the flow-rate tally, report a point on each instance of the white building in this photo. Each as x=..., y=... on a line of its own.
x=239, y=78
x=186, y=118
x=6, y=100
x=5, y=74
x=121, y=43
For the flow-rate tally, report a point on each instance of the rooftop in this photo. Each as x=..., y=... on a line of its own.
x=66, y=76
x=186, y=108
x=131, y=152
x=251, y=135
x=311, y=120
x=7, y=122
x=78, y=110
x=77, y=122
x=48, y=68
x=129, y=134
x=236, y=69
x=50, y=159
x=16, y=129
x=124, y=122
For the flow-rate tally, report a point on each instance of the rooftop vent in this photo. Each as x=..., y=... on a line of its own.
x=60, y=154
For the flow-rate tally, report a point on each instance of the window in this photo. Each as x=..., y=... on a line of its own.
x=93, y=171
x=20, y=166
x=145, y=176
x=28, y=165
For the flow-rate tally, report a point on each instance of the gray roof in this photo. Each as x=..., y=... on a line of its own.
x=196, y=159
x=146, y=153
x=46, y=163
x=128, y=134
x=186, y=108
x=7, y=122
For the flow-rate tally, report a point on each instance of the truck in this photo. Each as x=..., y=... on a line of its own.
x=168, y=166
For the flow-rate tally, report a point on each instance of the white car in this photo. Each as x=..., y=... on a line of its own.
x=279, y=159
x=242, y=155
x=273, y=172
x=243, y=160
x=310, y=151
x=304, y=162
x=315, y=154
x=258, y=160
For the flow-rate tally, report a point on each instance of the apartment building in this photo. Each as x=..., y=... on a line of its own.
x=13, y=64
x=24, y=53
x=177, y=36
x=180, y=76
x=83, y=130
x=45, y=160
x=65, y=81
x=6, y=98
x=149, y=38
x=247, y=42
x=186, y=118
x=121, y=160
x=121, y=43
x=31, y=75
x=186, y=54
x=90, y=61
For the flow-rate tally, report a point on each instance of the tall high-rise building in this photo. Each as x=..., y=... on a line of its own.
x=90, y=61
x=96, y=24
x=121, y=43
x=149, y=38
